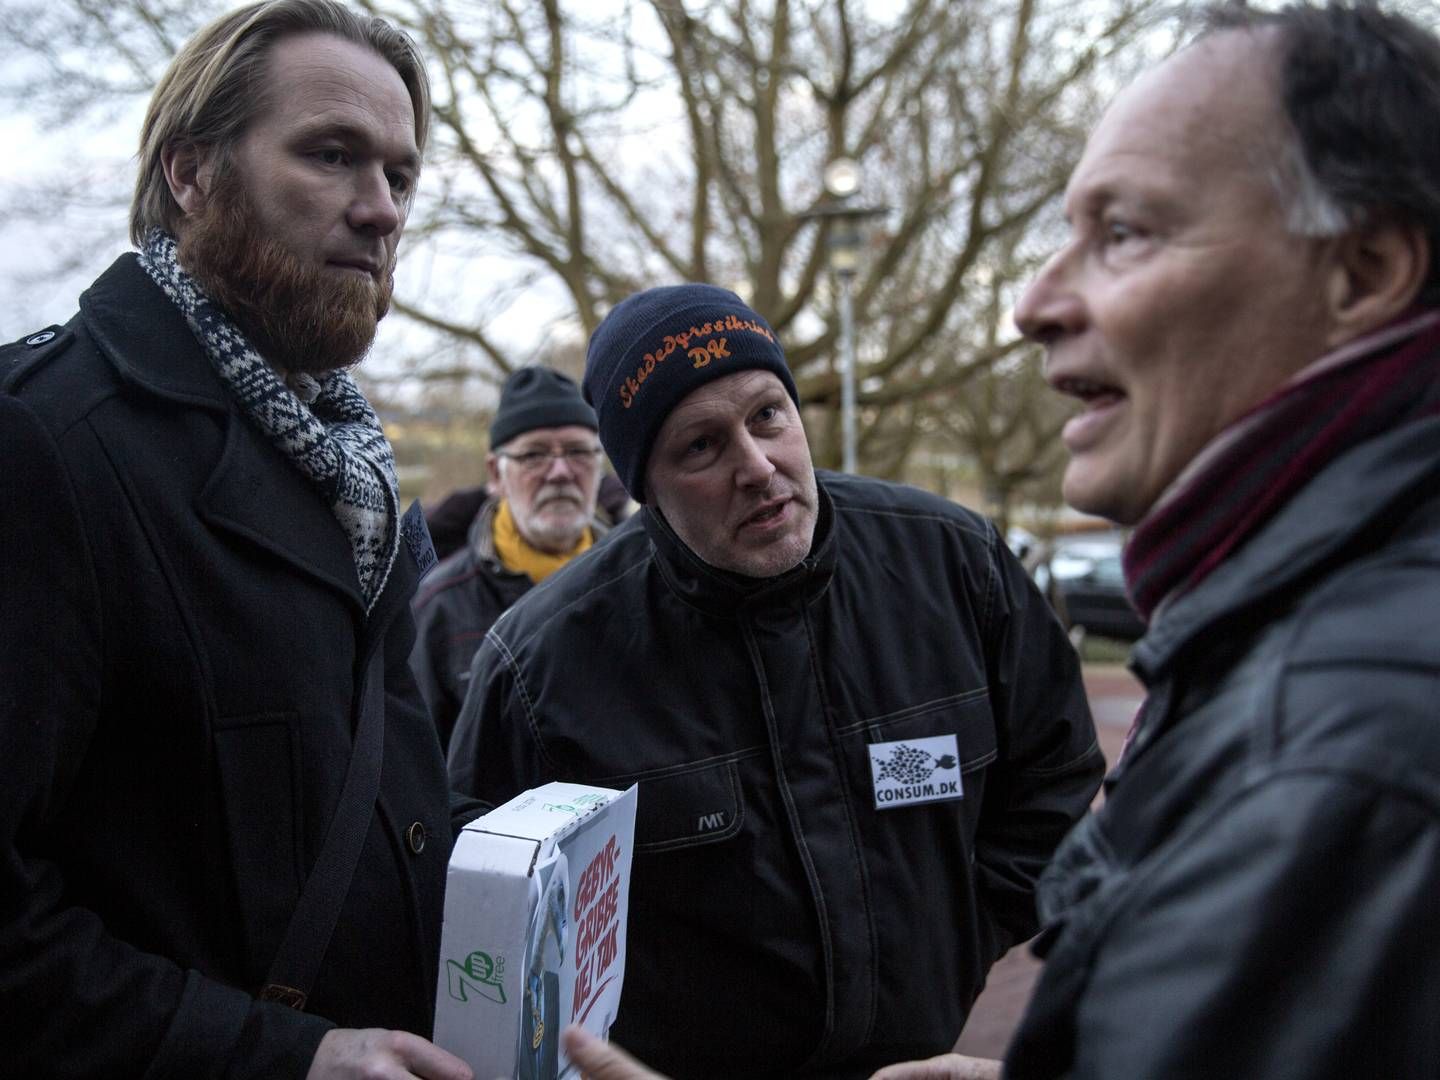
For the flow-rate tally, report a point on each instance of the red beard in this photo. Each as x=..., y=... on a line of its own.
x=299, y=318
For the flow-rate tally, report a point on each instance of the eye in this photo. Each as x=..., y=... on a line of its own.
x=698, y=446
x=400, y=183
x=332, y=155
x=580, y=455
x=1117, y=232
x=766, y=413
x=531, y=459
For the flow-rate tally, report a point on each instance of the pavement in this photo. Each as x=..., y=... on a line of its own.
x=1114, y=696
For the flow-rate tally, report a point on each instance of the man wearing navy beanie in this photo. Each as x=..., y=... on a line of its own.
x=655, y=348
x=857, y=728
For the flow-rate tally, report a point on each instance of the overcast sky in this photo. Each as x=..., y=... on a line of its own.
x=100, y=158
x=28, y=249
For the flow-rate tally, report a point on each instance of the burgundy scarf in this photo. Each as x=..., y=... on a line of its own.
x=1370, y=386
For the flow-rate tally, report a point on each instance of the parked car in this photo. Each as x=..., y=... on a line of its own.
x=1082, y=578
x=1021, y=542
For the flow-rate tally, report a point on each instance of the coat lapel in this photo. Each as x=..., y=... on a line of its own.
x=256, y=494
x=253, y=492
x=415, y=556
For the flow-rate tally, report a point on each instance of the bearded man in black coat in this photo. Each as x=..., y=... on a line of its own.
x=224, y=821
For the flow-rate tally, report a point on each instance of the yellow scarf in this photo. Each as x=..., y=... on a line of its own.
x=519, y=557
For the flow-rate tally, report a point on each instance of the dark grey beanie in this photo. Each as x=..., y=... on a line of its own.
x=657, y=346
x=537, y=397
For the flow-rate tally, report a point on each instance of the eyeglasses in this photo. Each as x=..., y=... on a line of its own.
x=577, y=457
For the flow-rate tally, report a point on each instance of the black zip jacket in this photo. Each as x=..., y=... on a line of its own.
x=779, y=922
x=1260, y=895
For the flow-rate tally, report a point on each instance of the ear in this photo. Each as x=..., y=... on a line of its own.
x=492, y=469
x=189, y=172
x=1378, y=271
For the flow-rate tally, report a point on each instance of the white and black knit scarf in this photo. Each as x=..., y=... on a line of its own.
x=325, y=427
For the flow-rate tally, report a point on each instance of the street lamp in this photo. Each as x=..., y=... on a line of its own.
x=842, y=177
x=842, y=183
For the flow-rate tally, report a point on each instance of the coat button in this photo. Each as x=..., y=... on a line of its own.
x=41, y=338
x=415, y=837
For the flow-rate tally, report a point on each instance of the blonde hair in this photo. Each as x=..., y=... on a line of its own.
x=216, y=84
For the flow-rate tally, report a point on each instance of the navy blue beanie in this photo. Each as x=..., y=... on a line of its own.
x=537, y=397
x=657, y=346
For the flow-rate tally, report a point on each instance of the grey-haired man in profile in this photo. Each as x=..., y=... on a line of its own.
x=224, y=820
x=1249, y=311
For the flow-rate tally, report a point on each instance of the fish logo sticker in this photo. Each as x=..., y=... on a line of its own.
x=914, y=771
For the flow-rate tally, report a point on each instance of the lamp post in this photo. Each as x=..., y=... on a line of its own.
x=842, y=182
x=846, y=278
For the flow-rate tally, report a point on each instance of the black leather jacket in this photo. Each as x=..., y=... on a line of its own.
x=1258, y=896
x=779, y=922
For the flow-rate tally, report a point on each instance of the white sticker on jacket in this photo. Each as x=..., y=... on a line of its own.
x=913, y=771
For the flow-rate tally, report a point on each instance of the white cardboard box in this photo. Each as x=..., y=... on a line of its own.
x=534, y=939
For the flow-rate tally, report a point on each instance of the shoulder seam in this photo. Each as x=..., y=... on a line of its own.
x=570, y=603
x=919, y=515
x=528, y=706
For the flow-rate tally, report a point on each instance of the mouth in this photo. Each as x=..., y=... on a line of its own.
x=558, y=497
x=1092, y=393
x=770, y=514
x=1101, y=403
x=368, y=267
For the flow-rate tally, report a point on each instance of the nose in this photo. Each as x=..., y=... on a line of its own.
x=558, y=468
x=374, y=207
x=754, y=468
x=1050, y=307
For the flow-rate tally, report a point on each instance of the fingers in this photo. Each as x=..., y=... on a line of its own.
x=377, y=1054
x=944, y=1067
x=429, y=1062
x=600, y=1060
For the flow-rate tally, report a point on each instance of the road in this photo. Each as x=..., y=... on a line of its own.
x=1114, y=697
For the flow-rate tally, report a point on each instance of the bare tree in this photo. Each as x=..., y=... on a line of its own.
x=583, y=151
x=672, y=141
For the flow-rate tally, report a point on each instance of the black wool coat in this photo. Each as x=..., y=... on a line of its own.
x=180, y=652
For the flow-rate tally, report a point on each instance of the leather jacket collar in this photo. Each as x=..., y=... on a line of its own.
x=1375, y=485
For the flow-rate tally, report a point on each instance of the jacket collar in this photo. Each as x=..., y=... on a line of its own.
x=253, y=492
x=481, y=534
x=146, y=338
x=1375, y=485
x=720, y=592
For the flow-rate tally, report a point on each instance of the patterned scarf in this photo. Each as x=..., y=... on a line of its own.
x=325, y=427
x=1370, y=386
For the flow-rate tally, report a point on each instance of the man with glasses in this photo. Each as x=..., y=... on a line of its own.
x=544, y=472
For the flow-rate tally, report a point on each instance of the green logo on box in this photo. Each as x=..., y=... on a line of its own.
x=479, y=974
x=575, y=806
